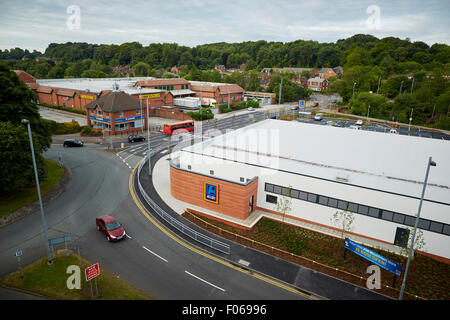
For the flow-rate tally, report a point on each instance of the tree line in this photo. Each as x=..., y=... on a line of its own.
x=370, y=64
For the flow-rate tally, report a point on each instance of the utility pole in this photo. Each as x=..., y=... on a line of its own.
x=140, y=105
x=148, y=142
x=368, y=109
x=353, y=93
x=412, y=85
x=411, y=248
x=379, y=80
x=410, y=118
x=279, y=95
x=401, y=85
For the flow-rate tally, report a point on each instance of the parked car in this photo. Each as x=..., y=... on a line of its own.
x=354, y=127
x=110, y=227
x=359, y=122
x=72, y=143
x=295, y=108
x=318, y=117
x=135, y=138
x=250, y=109
x=393, y=131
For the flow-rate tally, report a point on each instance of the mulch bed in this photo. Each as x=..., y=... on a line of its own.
x=427, y=278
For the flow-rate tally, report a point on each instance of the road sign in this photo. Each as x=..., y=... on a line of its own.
x=301, y=103
x=18, y=253
x=92, y=271
x=374, y=257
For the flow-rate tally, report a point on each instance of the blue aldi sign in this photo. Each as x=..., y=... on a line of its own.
x=374, y=257
x=211, y=192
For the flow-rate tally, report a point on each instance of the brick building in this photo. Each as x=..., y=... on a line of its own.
x=221, y=92
x=116, y=112
x=317, y=84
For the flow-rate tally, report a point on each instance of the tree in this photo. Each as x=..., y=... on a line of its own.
x=141, y=69
x=343, y=220
x=284, y=202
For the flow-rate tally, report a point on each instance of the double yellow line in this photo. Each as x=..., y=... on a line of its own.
x=145, y=212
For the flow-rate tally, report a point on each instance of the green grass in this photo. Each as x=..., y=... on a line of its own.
x=16, y=199
x=50, y=281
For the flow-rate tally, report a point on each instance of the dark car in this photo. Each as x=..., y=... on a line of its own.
x=110, y=227
x=136, y=138
x=72, y=143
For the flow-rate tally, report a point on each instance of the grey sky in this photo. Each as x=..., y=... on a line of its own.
x=35, y=24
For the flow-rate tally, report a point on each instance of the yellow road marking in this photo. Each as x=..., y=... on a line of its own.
x=204, y=254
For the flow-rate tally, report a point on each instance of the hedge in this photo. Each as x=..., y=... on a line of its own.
x=79, y=111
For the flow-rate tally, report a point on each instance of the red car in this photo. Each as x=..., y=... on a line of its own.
x=110, y=227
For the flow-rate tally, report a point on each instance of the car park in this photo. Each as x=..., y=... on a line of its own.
x=110, y=227
x=135, y=138
x=72, y=143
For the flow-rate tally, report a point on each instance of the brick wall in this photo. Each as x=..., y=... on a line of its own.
x=233, y=198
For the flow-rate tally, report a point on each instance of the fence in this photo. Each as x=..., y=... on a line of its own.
x=197, y=236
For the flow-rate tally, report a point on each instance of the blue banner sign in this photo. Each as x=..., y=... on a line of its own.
x=129, y=118
x=374, y=257
x=99, y=118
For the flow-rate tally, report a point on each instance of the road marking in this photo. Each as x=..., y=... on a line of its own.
x=154, y=254
x=166, y=231
x=212, y=285
x=128, y=236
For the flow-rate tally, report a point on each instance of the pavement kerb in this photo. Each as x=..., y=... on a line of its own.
x=221, y=260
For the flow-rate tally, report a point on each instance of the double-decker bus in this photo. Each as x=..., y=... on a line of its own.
x=185, y=125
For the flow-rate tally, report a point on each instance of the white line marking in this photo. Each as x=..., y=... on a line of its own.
x=193, y=275
x=128, y=236
x=155, y=254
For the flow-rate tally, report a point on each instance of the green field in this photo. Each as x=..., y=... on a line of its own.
x=50, y=281
x=16, y=199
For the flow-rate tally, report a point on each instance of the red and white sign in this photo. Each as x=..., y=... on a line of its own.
x=92, y=271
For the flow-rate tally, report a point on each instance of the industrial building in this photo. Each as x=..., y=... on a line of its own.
x=322, y=169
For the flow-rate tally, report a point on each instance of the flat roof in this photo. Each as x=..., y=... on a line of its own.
x=382, y=161
x=94, y=85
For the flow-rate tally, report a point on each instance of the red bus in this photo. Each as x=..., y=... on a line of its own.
x=185, y=125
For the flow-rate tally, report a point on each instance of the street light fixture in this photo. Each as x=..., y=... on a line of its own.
x=433, y=164
x=27, y=122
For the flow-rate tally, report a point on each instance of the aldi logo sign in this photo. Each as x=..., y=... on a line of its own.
x=211, y=192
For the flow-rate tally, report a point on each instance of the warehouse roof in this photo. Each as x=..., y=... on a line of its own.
x=388, y=162
x=94, y=85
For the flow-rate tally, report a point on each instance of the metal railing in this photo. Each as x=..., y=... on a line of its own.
x=195, y=235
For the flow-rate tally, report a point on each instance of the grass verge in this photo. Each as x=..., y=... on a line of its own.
x=16, y=199
x=50, y=281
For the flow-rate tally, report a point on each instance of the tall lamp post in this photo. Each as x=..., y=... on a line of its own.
x=433, y=164
x=148, y=142
x=27, y=122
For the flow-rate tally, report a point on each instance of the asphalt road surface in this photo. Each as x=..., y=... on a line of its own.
x=147, y=259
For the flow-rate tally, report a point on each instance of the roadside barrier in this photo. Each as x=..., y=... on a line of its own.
x=195, y=235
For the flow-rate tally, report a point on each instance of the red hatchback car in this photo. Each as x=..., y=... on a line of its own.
x=110, y=227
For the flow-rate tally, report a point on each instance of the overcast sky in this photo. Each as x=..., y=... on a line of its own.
x=36, y=24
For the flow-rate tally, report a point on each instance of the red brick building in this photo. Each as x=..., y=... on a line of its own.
x=222, y=93
x=115, y=113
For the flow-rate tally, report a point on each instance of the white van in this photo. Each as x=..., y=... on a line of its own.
x=318, y=117
x=393, y=131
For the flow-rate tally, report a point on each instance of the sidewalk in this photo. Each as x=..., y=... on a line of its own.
x=305, y=280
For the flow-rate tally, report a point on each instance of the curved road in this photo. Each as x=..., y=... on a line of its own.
x=148, y=259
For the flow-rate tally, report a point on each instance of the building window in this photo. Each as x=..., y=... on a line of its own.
x=277, y=189
x=99, y=112
x=242, y=179
x=189, y=167
x=387, y=215
x=269, y=187
x=121, y=114
x=436, y=226
x=138, y=111
x=332, y=202
x=312, y=197
x=323, y=200
x=271, y=199
x=211, y=172
x=374, y=212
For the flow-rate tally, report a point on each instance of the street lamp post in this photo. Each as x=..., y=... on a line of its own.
x=148, y=142
x=433, y=164
x=27, y=122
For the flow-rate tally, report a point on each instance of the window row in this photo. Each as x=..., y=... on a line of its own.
x=378, y=213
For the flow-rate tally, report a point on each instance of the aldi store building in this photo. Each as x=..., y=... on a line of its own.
x=322, y=169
